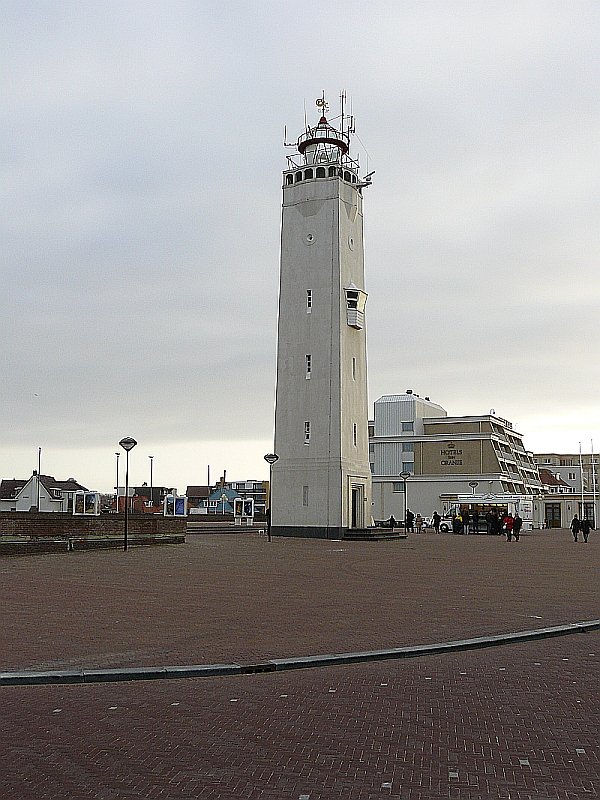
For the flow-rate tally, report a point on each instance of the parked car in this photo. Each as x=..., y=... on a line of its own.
x=446, y=524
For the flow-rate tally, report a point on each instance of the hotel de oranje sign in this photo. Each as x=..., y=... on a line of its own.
x=451, y=455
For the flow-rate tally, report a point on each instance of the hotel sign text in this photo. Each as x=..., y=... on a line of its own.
x=450, y=456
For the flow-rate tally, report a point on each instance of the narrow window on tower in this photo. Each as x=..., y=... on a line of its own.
x=353, y=368
x=305, y=495
x=308, y=366
x=307, y=432
x=308, y=301
x=354, y=434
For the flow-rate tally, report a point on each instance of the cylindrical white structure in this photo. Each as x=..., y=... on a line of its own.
x=321, y=484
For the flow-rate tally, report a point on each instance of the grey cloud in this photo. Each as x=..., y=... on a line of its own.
x=141, y=155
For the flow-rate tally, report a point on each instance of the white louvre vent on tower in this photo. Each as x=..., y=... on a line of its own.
x=356, y=300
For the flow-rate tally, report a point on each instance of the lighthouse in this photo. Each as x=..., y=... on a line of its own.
x=321, y=482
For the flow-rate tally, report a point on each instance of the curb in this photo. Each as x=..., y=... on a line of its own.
x=52, y=677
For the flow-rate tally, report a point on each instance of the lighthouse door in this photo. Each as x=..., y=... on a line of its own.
x=357, y=507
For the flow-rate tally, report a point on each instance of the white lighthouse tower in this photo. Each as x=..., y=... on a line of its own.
x=321, y=484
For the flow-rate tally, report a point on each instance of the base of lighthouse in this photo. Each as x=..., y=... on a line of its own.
x=323, y=504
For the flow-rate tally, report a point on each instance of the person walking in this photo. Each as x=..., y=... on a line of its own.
x=435, y=521
x=410, y=520
x=585, y=528
x=465, y=520
x=575, y=527
x=495, y=524
x=392, y=522
x=508, y=524
x=419, y=523
x=517, y=525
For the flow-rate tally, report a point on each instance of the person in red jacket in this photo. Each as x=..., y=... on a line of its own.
x=508, y=524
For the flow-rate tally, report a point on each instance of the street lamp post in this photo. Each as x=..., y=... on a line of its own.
x=117, y=486
x=151, y=493
x=405, y=476
x=270, y=458
x=127, y=444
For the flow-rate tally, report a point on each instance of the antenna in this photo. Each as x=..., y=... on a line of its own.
x=342, y=98
x=305, y=119
x=285, y=141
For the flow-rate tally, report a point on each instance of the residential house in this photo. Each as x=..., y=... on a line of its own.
x=43, y=493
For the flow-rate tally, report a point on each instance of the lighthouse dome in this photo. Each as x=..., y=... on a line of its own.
x=323, y=143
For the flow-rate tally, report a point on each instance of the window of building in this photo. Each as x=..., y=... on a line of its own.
x=320, y=172
x=408, y=427
x=289, y=179
x=408, y=447
x=307, y=432
x=571, y=476
x=305, y=495
x=308, y=365
x=398, y=486
x=299, y=176
x=308, y=301
x=332, y=172
x=347, y=176
x=308, y=174
x=408, y=466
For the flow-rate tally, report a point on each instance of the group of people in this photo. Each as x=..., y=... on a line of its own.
x=462, y=522
x=410, y=522
x=496, y=524
x=583, y=525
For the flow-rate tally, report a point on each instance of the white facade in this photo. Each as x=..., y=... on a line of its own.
x=322, y=481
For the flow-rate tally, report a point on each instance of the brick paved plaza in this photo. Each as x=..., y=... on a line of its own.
x=518, y=721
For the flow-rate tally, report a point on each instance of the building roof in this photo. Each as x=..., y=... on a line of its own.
x=198, y=491
x=9, y=489
x=549, y=478
x=217, y=494
x=49, y=482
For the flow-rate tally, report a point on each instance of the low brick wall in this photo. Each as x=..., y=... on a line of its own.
x=224, y=518
x=59, y=526
x=27, y=533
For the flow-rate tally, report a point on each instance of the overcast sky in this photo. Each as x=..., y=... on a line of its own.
x=141, y=155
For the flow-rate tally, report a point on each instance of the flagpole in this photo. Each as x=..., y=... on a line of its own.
x=593, y=482
x=581, y=471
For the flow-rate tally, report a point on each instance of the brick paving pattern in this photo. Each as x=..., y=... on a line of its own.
x=519, y=721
